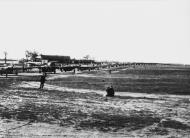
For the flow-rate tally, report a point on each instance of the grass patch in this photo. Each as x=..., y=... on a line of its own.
x=168, y=123
x=108, y=122
x=71, y=115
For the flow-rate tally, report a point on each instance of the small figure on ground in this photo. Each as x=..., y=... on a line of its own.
x=110, y=71
x=74, y=71
x=42, y=80
x=110, y=91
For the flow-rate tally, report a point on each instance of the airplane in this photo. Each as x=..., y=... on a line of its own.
x=9, y=69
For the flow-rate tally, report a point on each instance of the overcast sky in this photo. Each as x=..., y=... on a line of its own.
x=123, y=30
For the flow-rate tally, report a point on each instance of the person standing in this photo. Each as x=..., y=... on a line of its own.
x=42, y=80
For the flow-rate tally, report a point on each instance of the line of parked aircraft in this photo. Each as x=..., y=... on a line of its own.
x=51, y=67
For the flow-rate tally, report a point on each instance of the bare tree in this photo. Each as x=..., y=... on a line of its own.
x=31, y=55
x=87, y=57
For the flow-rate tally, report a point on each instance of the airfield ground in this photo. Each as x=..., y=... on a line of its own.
x=149, y=102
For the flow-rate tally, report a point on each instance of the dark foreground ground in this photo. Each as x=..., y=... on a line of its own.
x=149, y=102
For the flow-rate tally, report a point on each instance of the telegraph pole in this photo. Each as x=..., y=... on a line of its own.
x=5, y=53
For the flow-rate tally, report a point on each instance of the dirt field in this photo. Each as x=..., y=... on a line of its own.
x=149, y=102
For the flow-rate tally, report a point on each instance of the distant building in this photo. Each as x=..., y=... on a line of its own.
x=83, y=61
x=55, y=58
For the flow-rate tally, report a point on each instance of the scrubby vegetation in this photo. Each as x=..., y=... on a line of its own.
x=73, y=111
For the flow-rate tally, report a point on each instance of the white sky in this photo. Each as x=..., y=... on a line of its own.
x=123, y=30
